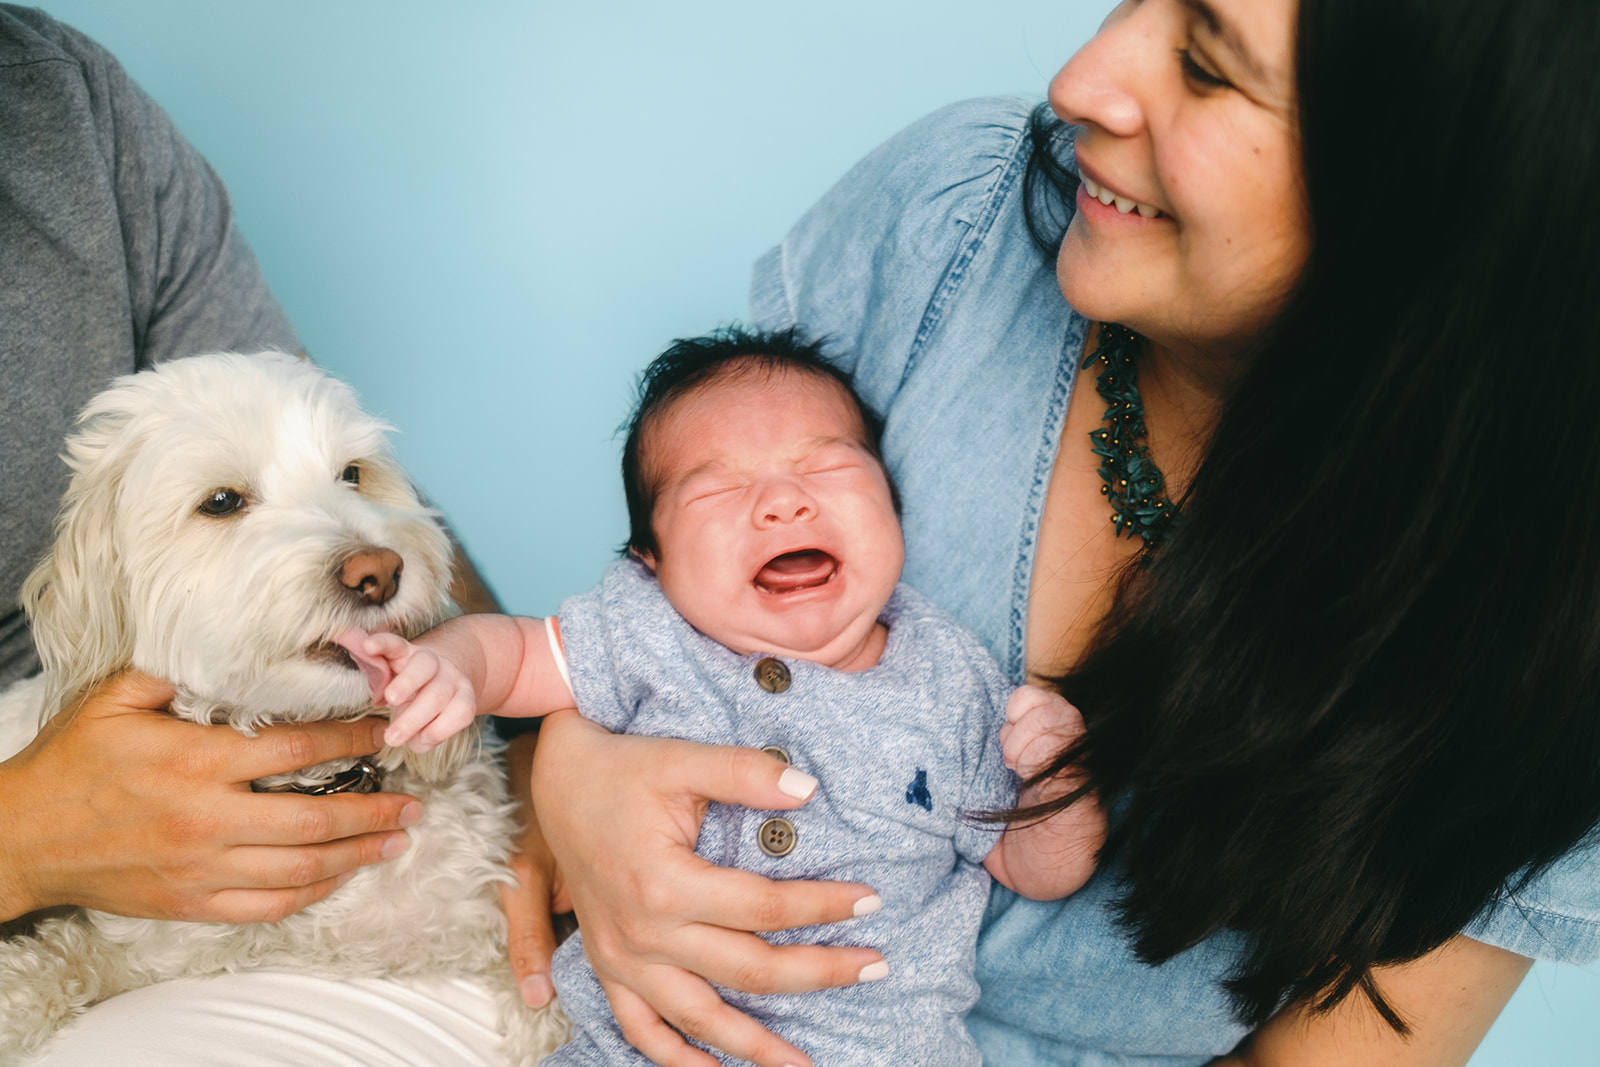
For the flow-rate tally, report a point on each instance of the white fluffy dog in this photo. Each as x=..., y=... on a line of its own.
x=227, y=517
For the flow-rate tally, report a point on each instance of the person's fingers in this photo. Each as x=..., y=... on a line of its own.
x=645, y=1030
x=456, y=715
x=1024, y=699
x=281, y=749
x=283, y=867
x=293, y=819
x=530, y=935
x=382, y=643
x=405, y=686
x=405, y=726
x=691, y=1007
x=262, y=905
x=749, y=964
x=742, y=900
x=747, y=777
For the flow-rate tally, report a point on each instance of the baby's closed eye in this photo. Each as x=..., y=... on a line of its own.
x=713, y=492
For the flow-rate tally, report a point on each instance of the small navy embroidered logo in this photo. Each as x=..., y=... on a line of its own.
x=917, y=792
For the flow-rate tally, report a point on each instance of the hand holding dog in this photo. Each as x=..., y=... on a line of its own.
x=118, y=806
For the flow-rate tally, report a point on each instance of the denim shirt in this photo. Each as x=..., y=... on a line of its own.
x=918, y=270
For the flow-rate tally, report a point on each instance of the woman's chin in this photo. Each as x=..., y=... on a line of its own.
x=1088, y=282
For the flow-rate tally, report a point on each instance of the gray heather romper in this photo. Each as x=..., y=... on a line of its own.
x=900, y=750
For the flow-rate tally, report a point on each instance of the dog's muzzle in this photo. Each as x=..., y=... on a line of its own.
x=362, y=777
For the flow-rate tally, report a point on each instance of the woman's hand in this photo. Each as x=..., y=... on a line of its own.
x=117, y=805
x=622, y=815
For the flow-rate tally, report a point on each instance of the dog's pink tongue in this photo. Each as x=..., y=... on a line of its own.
x=796, y=570
x=377, y=671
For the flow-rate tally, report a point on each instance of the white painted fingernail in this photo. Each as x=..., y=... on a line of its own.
x=872, y=972
x=868, y=905
x=797, y=784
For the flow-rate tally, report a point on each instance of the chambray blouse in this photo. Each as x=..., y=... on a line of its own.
x=918, y=269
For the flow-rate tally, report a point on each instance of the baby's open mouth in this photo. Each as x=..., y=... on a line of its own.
x=793, y=571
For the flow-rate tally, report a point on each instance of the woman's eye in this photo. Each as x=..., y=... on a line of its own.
x=222, y=502
x=1198, y=74
x=351, y=475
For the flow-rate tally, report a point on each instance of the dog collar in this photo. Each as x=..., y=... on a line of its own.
x=362, y=777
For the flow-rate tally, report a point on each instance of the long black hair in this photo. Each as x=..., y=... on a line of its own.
x=1354, y=699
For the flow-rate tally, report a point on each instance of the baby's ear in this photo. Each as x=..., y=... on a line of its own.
x=646, y=557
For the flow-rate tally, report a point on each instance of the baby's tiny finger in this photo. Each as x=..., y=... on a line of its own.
x=1022, y=701
x=400, y=730
x=411, y=683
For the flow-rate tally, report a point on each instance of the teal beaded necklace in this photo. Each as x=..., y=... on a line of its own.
x=1133, y=483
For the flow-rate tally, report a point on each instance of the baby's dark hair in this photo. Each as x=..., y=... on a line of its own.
x=690, y=363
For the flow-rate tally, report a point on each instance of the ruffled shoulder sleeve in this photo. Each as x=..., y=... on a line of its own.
x=860, y=268
x=1556, y=916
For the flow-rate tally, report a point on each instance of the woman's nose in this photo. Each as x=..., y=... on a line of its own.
x=1100, y=84
x=784, y=500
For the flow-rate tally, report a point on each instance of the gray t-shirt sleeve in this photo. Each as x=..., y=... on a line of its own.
x=118, y=249
x=617, y=637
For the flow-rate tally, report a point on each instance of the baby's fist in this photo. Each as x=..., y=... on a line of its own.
x=1039, y=724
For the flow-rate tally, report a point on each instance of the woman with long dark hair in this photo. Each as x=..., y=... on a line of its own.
x=1293, y=495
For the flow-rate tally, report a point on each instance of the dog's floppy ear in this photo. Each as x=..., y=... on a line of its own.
x=75, y=598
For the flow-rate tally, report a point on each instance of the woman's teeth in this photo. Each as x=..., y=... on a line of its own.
x=1124, y=205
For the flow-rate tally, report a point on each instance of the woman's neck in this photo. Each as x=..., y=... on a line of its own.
x=1183, y=390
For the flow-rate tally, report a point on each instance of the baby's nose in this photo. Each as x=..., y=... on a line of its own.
x=372, y=574
x=786, y=502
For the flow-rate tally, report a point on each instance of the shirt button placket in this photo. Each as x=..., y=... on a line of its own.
x=777, y=836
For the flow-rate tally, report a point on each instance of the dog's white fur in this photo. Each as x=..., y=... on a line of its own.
x=238, y=611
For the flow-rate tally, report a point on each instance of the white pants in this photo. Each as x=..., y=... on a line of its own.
x=286, y=1019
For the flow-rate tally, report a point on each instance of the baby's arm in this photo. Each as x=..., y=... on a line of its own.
x=474, y=664
x=1050, y=858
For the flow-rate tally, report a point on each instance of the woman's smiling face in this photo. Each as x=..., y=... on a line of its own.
x=1187, y=112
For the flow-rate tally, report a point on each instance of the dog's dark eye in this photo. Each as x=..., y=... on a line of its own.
x=222, y=502
x=351, y=475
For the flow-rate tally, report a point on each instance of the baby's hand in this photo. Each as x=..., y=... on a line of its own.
x=1039, y=724
x=432, y=699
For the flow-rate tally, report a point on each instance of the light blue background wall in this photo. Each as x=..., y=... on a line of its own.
x=489, y=215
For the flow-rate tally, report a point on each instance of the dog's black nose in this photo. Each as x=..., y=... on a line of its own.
x=372, y=574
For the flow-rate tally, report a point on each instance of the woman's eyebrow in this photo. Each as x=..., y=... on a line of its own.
x=1228, y=36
